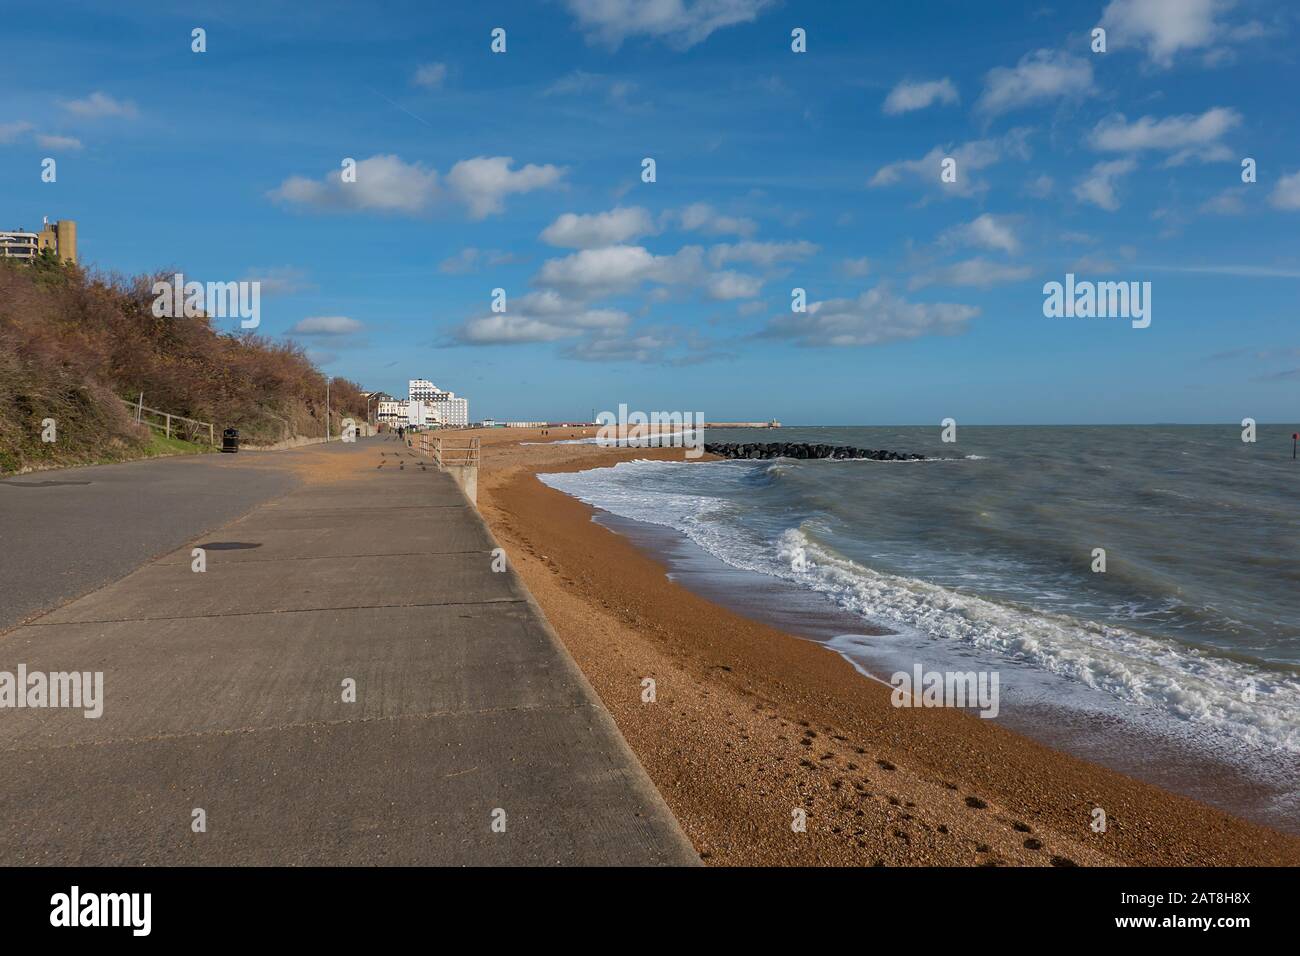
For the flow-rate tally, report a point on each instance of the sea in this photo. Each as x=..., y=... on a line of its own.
x=1136, y=588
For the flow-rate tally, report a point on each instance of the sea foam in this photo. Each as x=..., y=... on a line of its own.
x=1226, y=708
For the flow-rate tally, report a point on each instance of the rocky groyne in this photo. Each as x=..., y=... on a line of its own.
x=802, y=450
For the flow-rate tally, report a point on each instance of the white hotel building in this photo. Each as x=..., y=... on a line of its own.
x=426, y=406
x=447, y=408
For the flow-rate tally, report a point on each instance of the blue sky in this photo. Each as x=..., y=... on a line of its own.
x=774, y=170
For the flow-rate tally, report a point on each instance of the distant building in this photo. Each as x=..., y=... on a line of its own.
x=423, y=414
x=420, y=389
x=391, y=411
x=18, y=245
x=426, y=406
x=59, y=237
x=375, y=397
x=447, y=409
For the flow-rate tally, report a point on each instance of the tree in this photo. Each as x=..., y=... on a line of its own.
x=48, y=268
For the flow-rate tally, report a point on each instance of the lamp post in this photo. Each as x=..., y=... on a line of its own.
x=327, y=408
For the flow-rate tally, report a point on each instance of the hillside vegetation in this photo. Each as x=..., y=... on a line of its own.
x=73, y=344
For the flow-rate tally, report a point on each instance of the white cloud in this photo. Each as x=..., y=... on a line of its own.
x=855, y=268
x=383, y=184
x=1098, y=187
x=978, y=272
x=680, y=23
x=470, y=259
x=546, y=302
x=556, y=309
x=701, y=217
x=648, y=346
x=1040, y=187
x=611, y=267
x=464, y=261
x=1041, y=75
x=1227, y=203
x=1286, y=194
x=100, y=104
x=606, y=270
x=58, y=142
x=430, y=75
x=1210, y=153
x=660, y=346
x=616, y=226
x=327, y=325
x=765, y=254
x=1187, y=136
x=591, y=272
x=388, y=184
x=10, y=132
x=873, y=318
x=615, y=90
x=725, y=286
x=279, y=280
x=511, y=328
x=543, y=316
x=1163, y=28
x=971, y=157
x=985, y=232
x=908, y=96
x=484, y=182
x=598, y=319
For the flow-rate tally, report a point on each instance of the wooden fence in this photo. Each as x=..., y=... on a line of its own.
x=190, y=429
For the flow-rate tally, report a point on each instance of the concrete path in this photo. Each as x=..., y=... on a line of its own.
x=224, y=691
x=65, y=532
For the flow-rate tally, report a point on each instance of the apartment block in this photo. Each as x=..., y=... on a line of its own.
x=448, y=410
x=59, y=237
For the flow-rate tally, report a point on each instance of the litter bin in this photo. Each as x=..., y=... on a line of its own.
x=230, y=440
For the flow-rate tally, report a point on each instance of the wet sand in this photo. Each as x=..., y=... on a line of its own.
x=751, y=724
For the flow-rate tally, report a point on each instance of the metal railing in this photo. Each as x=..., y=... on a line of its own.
x=447, y=451
x=167, y=423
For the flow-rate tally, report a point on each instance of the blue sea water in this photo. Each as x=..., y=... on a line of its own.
x=984, y=555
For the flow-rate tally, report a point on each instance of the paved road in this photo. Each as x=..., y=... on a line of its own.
x=224, y=692
x=63, y=533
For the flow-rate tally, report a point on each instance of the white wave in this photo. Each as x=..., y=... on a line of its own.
x=1167, y=687
x=1205, y=693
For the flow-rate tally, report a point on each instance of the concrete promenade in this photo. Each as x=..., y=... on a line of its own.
x=225, y=691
